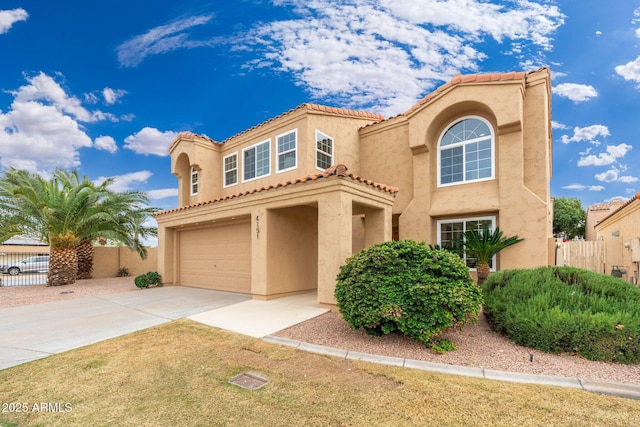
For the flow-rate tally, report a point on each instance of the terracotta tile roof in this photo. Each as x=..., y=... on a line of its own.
x=336, y=170
x=472, y=78
x=189, y=135
x=315, y=107
x=619, y=209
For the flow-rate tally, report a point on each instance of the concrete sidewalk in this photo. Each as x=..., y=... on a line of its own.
x=35, y=331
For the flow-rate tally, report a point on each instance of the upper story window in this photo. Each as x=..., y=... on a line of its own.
x=256, y=160
x=450, y=232
x=324, y=151
x=287, y=145
x=194, y=181
x=466, y=152
x=230, y=163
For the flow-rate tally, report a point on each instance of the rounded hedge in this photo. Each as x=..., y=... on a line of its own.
x=408, y=287
x=566, y=310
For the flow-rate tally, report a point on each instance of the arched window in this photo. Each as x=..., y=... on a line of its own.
x=466, y=152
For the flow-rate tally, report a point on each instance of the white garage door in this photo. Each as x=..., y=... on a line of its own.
x=217, y=258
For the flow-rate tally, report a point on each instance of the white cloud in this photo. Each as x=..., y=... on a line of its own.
x=581, y=187
x=628, y=179
x=558, y=125
x=111, y=96
x=589, y=133
x=125, y=182
x=42, y=129
x=150, y=141
x=162, y=39
x=613, y=175
x=575, y=92
x=106, y=143
x=162, y=193
x=630, y=71
x=609, y=176
x=43, y=88
x=612, y=154
x=10, y=17
x=39, y=138
x=384, y=55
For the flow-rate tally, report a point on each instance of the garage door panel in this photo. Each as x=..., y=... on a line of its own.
x=217, y=258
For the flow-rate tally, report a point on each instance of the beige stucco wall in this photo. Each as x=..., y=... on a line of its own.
x=108, y=260
x=27, y=249
x=292, y=253
x=207, y=156
x=403, y=152
x=595, y=214
x=302, y=233
x=619, y=230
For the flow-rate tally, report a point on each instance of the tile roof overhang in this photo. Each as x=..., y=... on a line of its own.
x=322, y=109
x=340, y=171
x=624, y=206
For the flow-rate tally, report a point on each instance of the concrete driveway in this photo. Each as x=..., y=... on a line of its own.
x=35, y=331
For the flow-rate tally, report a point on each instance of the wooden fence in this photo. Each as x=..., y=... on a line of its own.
x=589, y=255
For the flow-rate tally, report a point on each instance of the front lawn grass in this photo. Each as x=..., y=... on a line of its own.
x=177, y=374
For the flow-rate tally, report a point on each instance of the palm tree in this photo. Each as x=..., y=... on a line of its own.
x=482, y=245
x=120, y=217
x=67, y=212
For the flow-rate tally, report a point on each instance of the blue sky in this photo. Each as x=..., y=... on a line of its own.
x=105, y=86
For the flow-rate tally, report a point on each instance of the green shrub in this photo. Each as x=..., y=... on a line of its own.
x=406, y=286
x=148, y=279
x=566, y=310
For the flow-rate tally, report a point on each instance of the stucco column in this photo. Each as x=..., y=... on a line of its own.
x=377, y=223
x=259, y=252
x=166, y=254
x=334, y=241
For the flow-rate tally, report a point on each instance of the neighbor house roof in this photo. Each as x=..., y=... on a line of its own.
x=621, y=208
x=339, y=170
x=345, y=112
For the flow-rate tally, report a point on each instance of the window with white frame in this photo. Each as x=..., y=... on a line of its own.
x=324, y=151
x=466, y=152
x=287, y=146
x=256, y=161
x=230, y=164
x=450, y=232
x=194, y=181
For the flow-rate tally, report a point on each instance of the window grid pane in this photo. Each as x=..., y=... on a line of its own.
x=287, y=151
x=466, y=152
x=250, y=164
x=262, y=159
x=451, y=231
x=231, y=170
x=324, y=151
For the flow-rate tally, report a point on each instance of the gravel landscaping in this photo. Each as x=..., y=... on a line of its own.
x=476, y=345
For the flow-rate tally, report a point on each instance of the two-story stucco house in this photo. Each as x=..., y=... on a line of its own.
x=278, y=208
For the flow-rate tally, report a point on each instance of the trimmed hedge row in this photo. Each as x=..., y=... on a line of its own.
x=406, y=286
x=566, y=309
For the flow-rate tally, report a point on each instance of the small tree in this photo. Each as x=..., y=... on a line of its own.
x=568, y=218
x=482, y=246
